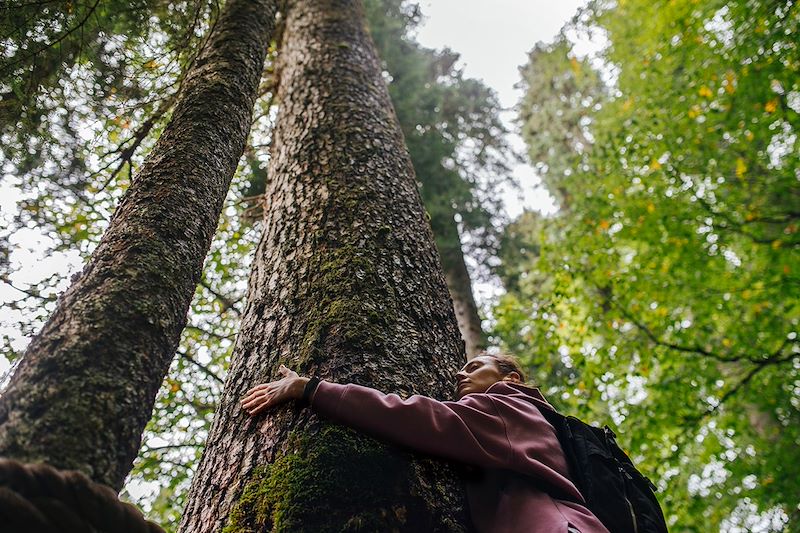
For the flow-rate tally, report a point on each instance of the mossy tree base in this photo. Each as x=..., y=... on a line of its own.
x=335, y=481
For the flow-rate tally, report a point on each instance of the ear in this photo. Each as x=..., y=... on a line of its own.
x=512, y=377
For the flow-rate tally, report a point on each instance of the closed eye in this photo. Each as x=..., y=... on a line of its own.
x=471, y=366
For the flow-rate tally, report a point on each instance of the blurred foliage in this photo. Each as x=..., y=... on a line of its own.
x=664, y=296
x=85, y=90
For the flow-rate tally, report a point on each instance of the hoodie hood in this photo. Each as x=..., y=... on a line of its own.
x=520, y=391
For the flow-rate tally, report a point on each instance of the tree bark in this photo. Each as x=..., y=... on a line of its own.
x=460, y=286
x=346, y=285
x=85, y=387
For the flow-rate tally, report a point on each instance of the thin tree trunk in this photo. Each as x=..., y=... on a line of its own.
x=85, y=387
x=460, y=286
x=346, y=285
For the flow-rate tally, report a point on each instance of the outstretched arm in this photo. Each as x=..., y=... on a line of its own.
x=470, y=431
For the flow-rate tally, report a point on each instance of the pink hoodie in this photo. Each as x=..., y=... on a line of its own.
x=500, y=431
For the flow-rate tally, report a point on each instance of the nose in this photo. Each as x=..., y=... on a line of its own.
x=461, y=376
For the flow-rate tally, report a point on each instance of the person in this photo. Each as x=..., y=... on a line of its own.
x=496, y=426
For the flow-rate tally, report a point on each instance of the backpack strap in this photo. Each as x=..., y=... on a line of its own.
x=564, y=436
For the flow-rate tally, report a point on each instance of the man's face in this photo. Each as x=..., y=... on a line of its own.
x=478, y=375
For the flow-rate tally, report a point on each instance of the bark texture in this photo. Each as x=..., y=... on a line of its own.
x=346, y=285
x=460, y=286
x=85, y=387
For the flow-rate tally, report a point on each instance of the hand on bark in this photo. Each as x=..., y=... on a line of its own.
x=267, y=395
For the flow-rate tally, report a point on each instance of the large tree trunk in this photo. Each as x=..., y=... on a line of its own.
x=346, y=285
x=460, y=287
x=85, y=387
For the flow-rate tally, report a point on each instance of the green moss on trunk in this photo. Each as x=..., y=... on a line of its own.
x=317, y=486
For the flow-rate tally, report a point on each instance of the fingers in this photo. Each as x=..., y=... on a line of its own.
x=257, y=397
x=256, y=389
x=266, y=395
x=259, y=408
x=257, y=403
x=285, y=372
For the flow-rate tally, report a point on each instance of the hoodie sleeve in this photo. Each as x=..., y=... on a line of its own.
x=470, y=430
x=501, y=431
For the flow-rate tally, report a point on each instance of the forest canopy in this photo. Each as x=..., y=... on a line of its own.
x=663, y=296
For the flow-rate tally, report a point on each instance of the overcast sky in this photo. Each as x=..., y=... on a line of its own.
x=494, y=38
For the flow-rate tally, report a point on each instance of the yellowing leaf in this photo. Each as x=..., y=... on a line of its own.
x=151, y=64
x=654, y=164
x=726, y=342
x=730, y=80
x=741, y=168
x=771, y=106
x=651, y=207
x=694, y=112
x=575, y=65
x=626, y=106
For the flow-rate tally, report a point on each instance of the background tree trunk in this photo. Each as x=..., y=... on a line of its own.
x=346, y=285
x=460, y=287
x=85, y=387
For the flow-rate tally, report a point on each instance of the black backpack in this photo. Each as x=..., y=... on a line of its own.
x=621, y=497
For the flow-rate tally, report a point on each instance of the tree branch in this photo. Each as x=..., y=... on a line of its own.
x=57, y=41
x=204, y=369
x=699, y=350
x=227, y=303
x=126, y=154
x=147, y=448
x=775, y=358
